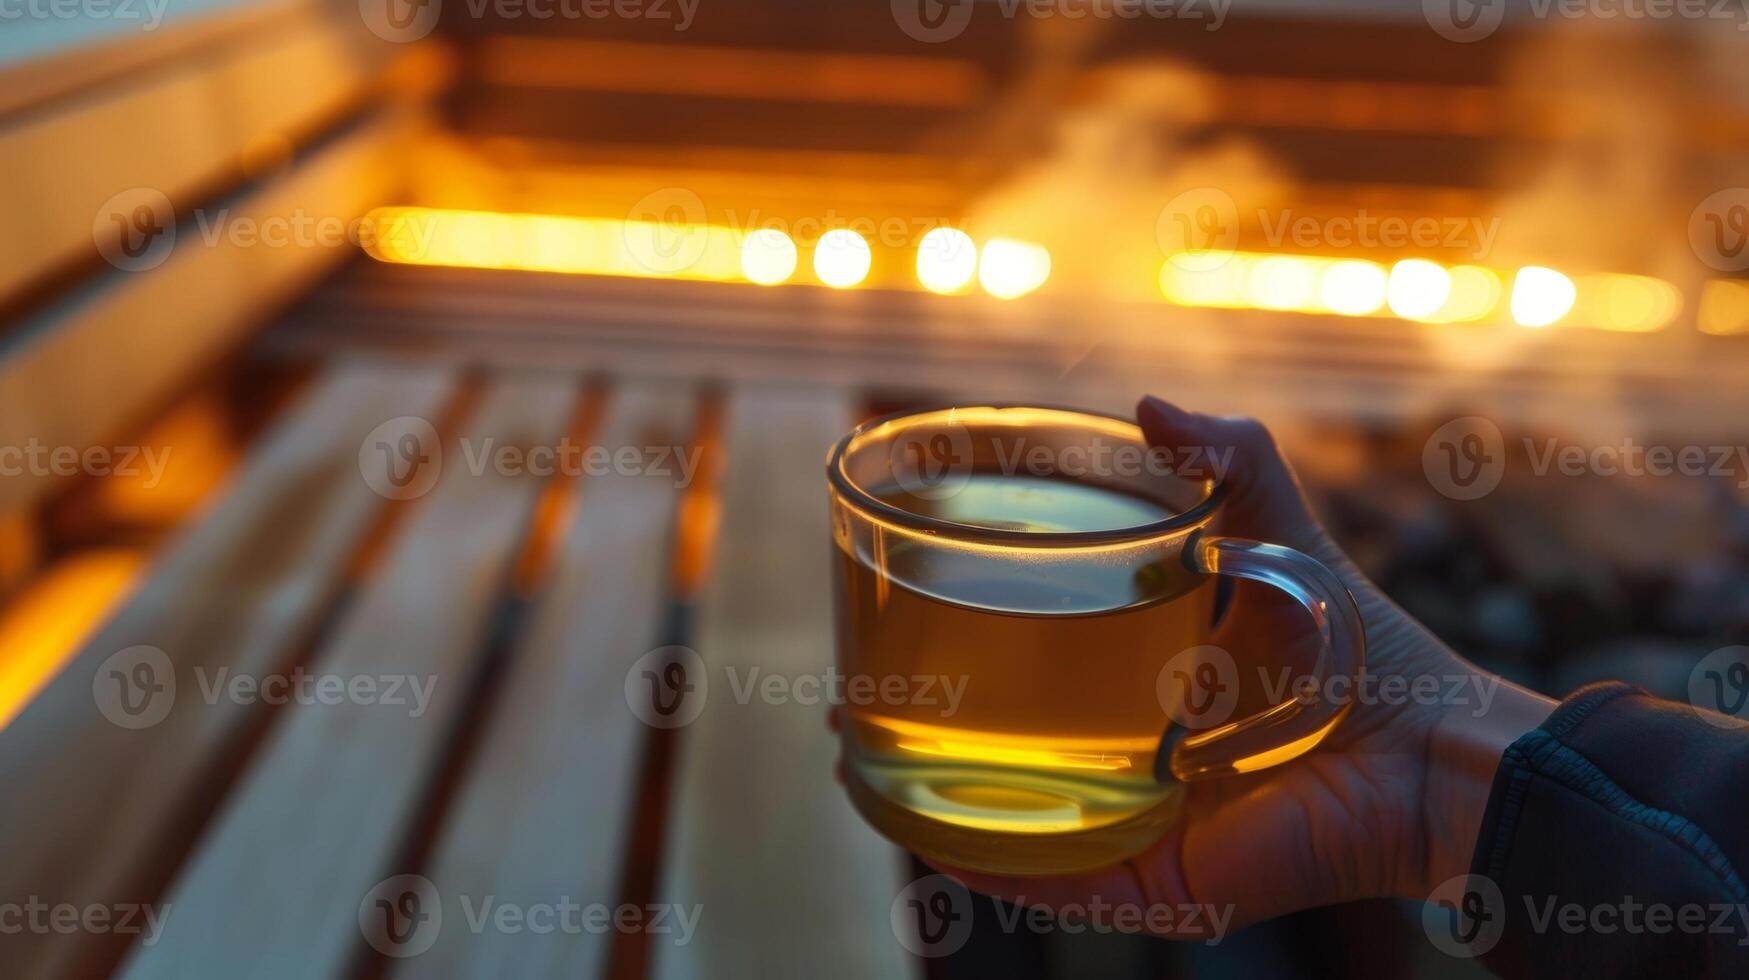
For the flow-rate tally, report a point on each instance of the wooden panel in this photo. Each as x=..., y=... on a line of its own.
x=32, y=75
x=175, y=131
x=789, y=881
x=89, y=805
x=545, y=808
x=275, y=888
x=85, y=371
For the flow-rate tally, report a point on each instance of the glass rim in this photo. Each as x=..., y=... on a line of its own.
x=849, y=491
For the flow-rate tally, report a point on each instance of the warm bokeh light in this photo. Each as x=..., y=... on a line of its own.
x=947, y=259
x=842, y=258
x=1637, y=304
x=554, y=243
x=1352, y=287
x=1473, y=293
x=1282, y=282
x=1541, y=296
x=768, y=257
x=1201, y=281
x=47, y=622
x=1724, y=307
x=1425, y=291
x=1008, y=267
x=1418, y=289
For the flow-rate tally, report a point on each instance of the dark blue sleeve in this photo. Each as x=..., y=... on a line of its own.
x=1612, y=843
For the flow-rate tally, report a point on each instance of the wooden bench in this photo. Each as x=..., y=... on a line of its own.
x=370, y=710
x=260, y=830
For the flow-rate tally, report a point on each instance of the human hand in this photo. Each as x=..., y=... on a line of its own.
x=1389, y=804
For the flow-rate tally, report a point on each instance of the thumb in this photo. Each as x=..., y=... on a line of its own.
x=1264, y=497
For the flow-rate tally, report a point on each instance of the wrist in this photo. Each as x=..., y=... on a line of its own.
x=1463, y=754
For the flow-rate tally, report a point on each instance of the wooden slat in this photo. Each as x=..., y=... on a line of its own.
x=274, y=889
x=89, y=807
x=545, y=810
x=176, y=131
x=83, y=372
x=788, y=880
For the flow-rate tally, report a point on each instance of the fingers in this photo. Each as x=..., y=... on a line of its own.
x=1265, y=499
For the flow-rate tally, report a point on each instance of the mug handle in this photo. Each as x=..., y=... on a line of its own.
x=1293, y=727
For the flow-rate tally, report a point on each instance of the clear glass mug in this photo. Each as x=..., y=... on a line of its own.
x=1024, y=601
